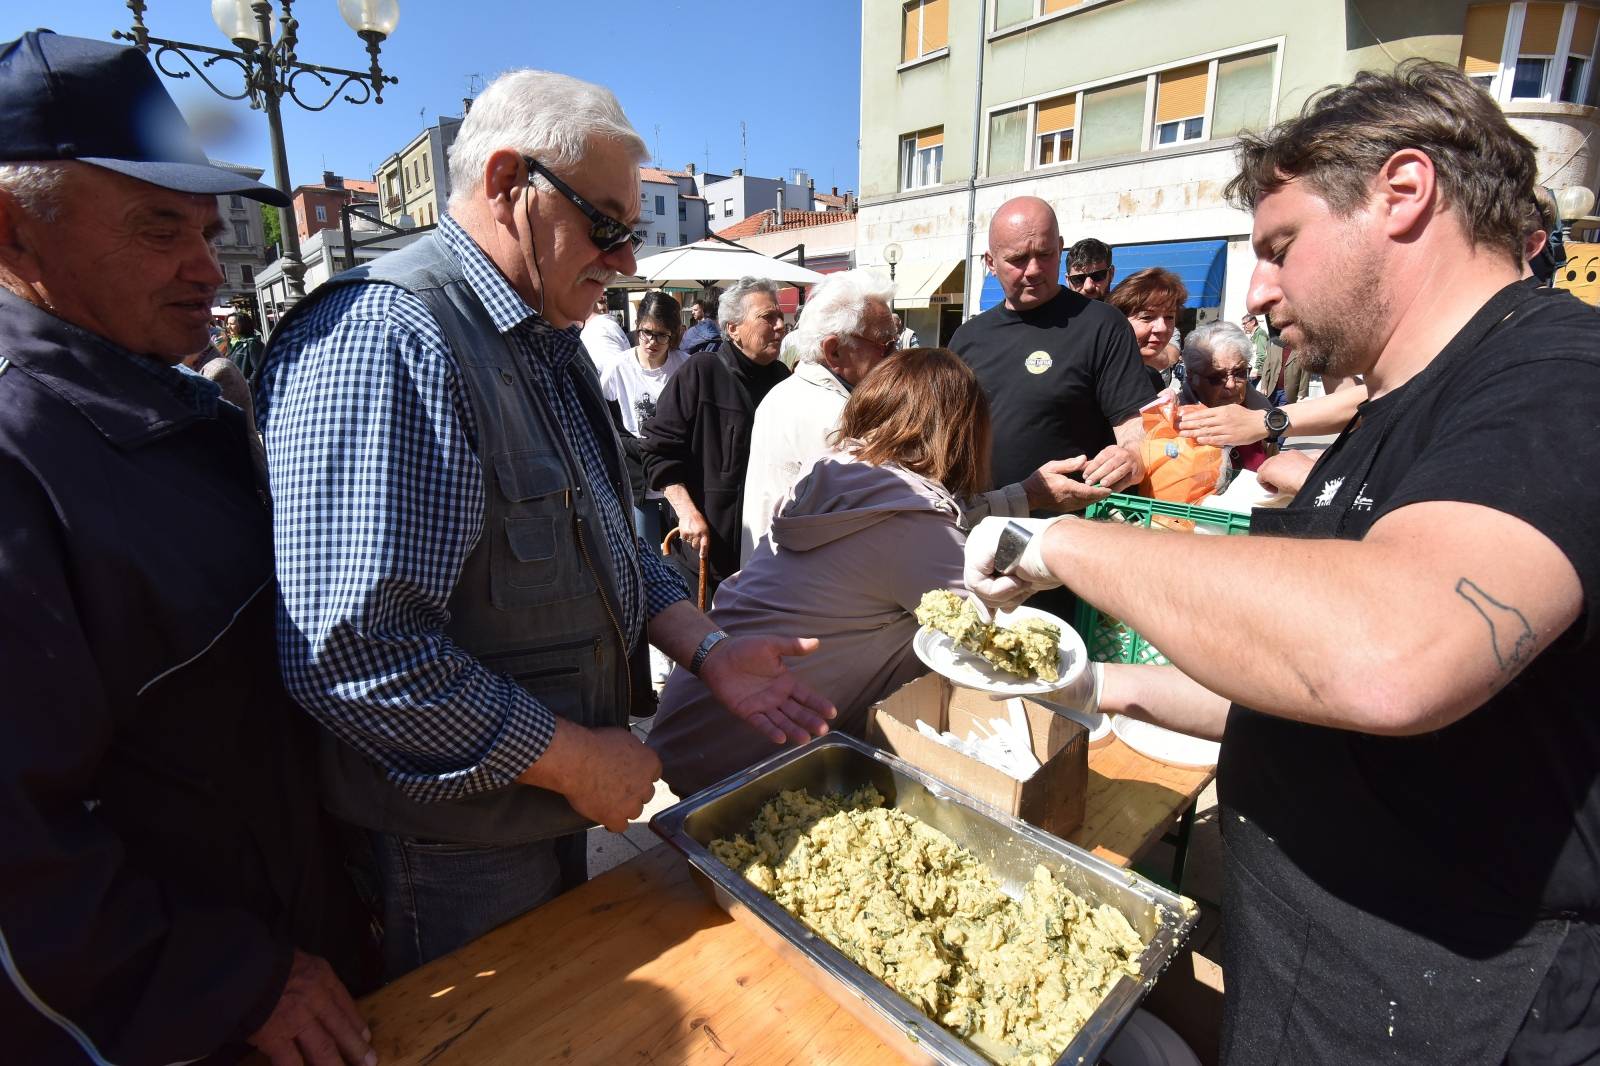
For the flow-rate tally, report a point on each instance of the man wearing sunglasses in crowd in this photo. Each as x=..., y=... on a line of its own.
x=465, y=605
x=1089, y=269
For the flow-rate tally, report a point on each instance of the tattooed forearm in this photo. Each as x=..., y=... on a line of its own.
x=1509, y=631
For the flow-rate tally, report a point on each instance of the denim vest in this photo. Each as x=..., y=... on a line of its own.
x=536, y=599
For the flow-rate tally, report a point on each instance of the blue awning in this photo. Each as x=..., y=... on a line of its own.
x=1201, y=264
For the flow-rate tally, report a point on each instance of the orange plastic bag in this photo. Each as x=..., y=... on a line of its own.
x=1176, y=468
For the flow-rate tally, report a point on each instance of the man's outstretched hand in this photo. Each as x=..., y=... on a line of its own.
x=749, y=678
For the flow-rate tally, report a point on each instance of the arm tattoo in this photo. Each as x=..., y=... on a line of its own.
x=1509, y=631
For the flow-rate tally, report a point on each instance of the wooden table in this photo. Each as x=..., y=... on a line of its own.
x=638, y=966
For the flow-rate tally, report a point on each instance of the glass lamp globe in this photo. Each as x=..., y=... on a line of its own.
x=371, y=16
x=236, y=21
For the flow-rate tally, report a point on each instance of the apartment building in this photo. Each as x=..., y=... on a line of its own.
x=671, y=210
x=316, y=207
x=242, y=247
x=739, y=195
x=1124, y=114
x=415, y=181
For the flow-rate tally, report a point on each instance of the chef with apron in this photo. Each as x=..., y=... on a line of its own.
x=1414, y=878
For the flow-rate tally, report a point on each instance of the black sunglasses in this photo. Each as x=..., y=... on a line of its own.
x=606, y=232
x=1098, y=276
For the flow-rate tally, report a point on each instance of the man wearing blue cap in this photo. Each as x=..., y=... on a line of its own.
x=164, y=889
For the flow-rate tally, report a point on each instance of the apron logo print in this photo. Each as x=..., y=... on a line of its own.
x=1038, y=362
x=1330, y=489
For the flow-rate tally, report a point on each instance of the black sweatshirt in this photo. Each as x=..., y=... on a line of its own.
x=700, y=438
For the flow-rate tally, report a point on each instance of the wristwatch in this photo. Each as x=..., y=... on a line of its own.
x=1277, y=421
x=712, y=639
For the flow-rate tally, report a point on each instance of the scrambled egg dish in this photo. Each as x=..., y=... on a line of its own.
x=1014, y=978
x=1028, y=648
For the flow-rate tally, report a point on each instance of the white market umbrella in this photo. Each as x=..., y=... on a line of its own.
x=712, y=262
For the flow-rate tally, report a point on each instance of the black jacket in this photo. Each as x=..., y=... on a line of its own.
x=700, y=438
x=161, y=852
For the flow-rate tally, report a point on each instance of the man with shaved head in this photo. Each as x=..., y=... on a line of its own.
x=1062, y=371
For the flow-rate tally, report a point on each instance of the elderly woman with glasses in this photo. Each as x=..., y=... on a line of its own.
x=1152, y=299
x=1216, y=362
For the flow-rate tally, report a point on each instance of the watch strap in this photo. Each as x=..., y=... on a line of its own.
x=712, y=639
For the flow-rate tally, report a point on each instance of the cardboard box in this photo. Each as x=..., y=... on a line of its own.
x=1052, y=799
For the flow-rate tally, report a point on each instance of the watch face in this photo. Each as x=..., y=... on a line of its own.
x=1277, y=420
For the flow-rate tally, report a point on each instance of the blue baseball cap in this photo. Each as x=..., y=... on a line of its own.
x=72, y=98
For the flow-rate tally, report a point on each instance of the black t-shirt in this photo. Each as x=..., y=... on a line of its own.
x=1058, y=378
x=1497, y=814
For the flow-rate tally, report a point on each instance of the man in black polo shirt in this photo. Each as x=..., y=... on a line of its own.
x=1062, y=372
x=1411, y=823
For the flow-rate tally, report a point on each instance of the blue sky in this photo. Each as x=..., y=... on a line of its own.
x=693, y=69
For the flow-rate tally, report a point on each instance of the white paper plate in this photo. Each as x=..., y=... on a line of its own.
x=944, y=656
x=1165, y=745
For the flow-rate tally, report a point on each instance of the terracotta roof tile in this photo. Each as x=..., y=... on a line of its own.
x=652, y=174
x=762, y=222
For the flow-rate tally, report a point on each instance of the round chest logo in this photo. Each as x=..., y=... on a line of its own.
x=1038, y=362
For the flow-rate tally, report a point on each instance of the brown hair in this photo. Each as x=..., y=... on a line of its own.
x=922, y=409
x=1346, y=133
x=1150, y=287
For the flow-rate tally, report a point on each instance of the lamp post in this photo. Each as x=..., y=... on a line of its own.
x=270, y=69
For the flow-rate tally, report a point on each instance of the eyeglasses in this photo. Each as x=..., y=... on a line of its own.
x=1097, y=276
x=654, y=336
x=887, y=347
x=1221, y=377
x=606, y=232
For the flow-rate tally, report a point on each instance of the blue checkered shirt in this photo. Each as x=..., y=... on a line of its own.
x=378, y=499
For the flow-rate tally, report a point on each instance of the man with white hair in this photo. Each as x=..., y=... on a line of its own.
x=465, y=603
x=847, y=329
x=698, y=444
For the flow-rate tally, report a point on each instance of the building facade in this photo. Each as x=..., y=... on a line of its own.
x=316, y=207
x=671, y=210
x=415, y=181
x=739, y=195
x=323, y=254
x=1135, y=146
x=242, y=248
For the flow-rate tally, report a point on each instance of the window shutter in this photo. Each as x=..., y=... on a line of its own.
x=932, y=137
x=1059, y=5
x=1541, y=28
x=1181, y=93
x=1058, y=114
x=1481, y=43
x=910, y=30
x=1583, y=28
x=935, y=25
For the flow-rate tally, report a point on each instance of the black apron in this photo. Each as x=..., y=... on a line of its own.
x=1314, y=975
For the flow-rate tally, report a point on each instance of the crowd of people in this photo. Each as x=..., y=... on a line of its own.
x=375, y=715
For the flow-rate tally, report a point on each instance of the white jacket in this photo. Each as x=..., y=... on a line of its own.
x=791, y=432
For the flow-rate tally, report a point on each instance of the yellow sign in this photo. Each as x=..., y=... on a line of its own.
x=1580, y=274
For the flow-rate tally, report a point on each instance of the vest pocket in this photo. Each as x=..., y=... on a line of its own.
x=533, y=554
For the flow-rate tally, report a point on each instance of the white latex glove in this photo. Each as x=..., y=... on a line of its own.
x=1031, y=575
x=1079, y=701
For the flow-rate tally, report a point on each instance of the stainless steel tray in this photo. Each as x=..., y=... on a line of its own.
x=1009, y=847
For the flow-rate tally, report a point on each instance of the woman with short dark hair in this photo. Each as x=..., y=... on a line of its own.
x=871, y=527
x=1152, y=299
x=633, y=383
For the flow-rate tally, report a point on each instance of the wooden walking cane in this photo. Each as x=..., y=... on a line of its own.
x=666, y=549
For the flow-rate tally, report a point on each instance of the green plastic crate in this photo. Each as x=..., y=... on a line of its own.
x=1108, y=640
